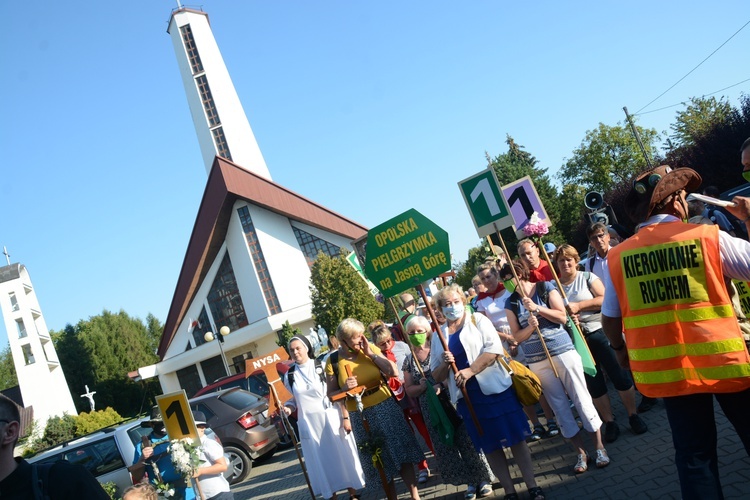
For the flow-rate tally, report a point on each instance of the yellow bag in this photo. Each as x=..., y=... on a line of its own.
x=525, y=382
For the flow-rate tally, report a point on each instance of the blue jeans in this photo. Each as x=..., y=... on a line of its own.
x=693, y=426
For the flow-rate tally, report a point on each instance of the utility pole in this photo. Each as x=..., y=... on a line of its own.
x=637, y=137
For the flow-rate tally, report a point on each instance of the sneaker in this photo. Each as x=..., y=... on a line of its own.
x=485, y=489
x=424, y=475
x=611, y=431
x=539, y=433
x=552, y=428
x=582, y=465
x=646, y=404
x=602, y=459
x=471, y=492
x=637, y=425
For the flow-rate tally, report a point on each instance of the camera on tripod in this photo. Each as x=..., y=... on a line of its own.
x=600, y=211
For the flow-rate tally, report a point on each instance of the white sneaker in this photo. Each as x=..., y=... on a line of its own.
x=485, y=489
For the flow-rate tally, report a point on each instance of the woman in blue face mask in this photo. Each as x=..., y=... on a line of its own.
x=473, y=344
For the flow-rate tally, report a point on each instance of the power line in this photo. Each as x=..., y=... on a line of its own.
x=683, y=102
x=688, y=73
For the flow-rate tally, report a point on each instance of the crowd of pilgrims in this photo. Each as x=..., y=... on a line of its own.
x=346, y=446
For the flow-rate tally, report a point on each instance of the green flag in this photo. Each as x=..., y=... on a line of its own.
x=589, y=366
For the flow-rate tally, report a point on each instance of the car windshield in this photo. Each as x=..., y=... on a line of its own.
x=239, y=399
x=137, y=432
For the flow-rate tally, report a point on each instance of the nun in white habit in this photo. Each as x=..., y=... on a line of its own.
x=324, y=430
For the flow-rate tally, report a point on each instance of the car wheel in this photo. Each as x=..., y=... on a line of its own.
x=239, y=464
x=285, y=440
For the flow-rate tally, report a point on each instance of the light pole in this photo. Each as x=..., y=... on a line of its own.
x=209, y=337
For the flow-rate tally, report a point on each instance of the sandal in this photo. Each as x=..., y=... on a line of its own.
x=602, y=459
x=552, y=428
x=538, y=433
x=583, y=464
x=536, y=493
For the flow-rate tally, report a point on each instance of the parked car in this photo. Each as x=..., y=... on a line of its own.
x=257, y=383
x=240, y=419
x=107, y=453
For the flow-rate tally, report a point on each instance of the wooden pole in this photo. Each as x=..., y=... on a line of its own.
x=454, y=368
x=522, y=294
x=285, y=418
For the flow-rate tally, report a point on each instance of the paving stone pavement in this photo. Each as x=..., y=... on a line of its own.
x=642, y=468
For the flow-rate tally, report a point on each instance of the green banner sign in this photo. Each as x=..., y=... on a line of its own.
x=405, y=251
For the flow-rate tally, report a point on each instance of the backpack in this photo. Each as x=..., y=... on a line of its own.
x=737, y=226
x=40, y=480
x=541, y=291
x=318, y=369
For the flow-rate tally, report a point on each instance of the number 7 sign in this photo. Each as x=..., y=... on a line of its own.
x=485, y=202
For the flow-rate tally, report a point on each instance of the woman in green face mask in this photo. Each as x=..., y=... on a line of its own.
x=458, y=464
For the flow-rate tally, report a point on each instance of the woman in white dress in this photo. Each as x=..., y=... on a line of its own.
x=328, y=446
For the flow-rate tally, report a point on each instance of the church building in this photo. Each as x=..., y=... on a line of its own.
x=247, y=264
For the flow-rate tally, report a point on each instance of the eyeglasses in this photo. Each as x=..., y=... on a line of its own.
x=641, y=187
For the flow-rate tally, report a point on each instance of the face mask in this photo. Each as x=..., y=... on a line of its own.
x=509, y=285
x=453, y=313
x=418, y=339
x=746, y=175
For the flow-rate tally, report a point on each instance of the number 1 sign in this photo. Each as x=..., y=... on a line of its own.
x=178, y=419
x=485, y=202
x=524, y=201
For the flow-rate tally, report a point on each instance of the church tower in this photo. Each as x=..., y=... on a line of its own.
x=220, y=122
x=40, y=376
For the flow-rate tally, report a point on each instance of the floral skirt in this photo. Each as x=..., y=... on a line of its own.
x=393, y=436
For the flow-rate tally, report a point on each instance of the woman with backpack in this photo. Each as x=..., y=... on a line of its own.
x=324, y=431
x=528, y=314
x=585, y=292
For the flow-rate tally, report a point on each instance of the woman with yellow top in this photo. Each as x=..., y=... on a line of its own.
x=389, y=436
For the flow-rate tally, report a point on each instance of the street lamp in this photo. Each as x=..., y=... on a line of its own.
x=209, y=337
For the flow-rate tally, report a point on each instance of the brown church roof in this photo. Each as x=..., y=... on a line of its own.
x=226, y=184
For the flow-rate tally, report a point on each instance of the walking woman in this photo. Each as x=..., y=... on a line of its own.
x=327, y=445
x=473, y=344
x=388, y=432
x=460, y=463
x=524, y=316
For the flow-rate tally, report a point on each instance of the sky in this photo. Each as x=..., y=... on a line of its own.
x=368, y=108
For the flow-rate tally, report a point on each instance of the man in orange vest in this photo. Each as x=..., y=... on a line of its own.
x=665, y=289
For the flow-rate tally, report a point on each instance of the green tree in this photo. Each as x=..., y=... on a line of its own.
x=608, y=156
x=466, y=270
x=714, y=152
x=515, y=164
x=699, y=119
x=86, y=423
x=8, y=376
x=287, y=332
x=338, y=292
x=572, y=221
x=99, y=352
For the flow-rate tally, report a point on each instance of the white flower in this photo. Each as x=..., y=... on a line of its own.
x=170, y=492
x=534, y=219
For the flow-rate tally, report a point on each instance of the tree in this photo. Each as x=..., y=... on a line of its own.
x=99, y=352
x=8, y=376
x=573, y=222
x=515, y=164
x=338, y=292
x=608, y=156
x=699, y=119
x=287, y=332
x=714, y=152
x=466, y=270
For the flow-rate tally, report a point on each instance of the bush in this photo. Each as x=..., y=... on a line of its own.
x=86, y=423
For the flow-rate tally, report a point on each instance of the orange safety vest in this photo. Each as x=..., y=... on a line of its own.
x=680, y=328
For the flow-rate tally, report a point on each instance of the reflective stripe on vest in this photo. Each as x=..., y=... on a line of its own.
x=674, y=350
x=679, y=315
x=680, y=374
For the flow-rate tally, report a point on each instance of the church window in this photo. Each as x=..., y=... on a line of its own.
x=28, y=356
x=311, y=245
x=13, y=301
x=261, y=269
x=21, y=329
x=220, y=141
x=189, y=380
x=191, y=49
x=209, y=106
x=203, y=326
x=213, y=369
x=224, y=299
